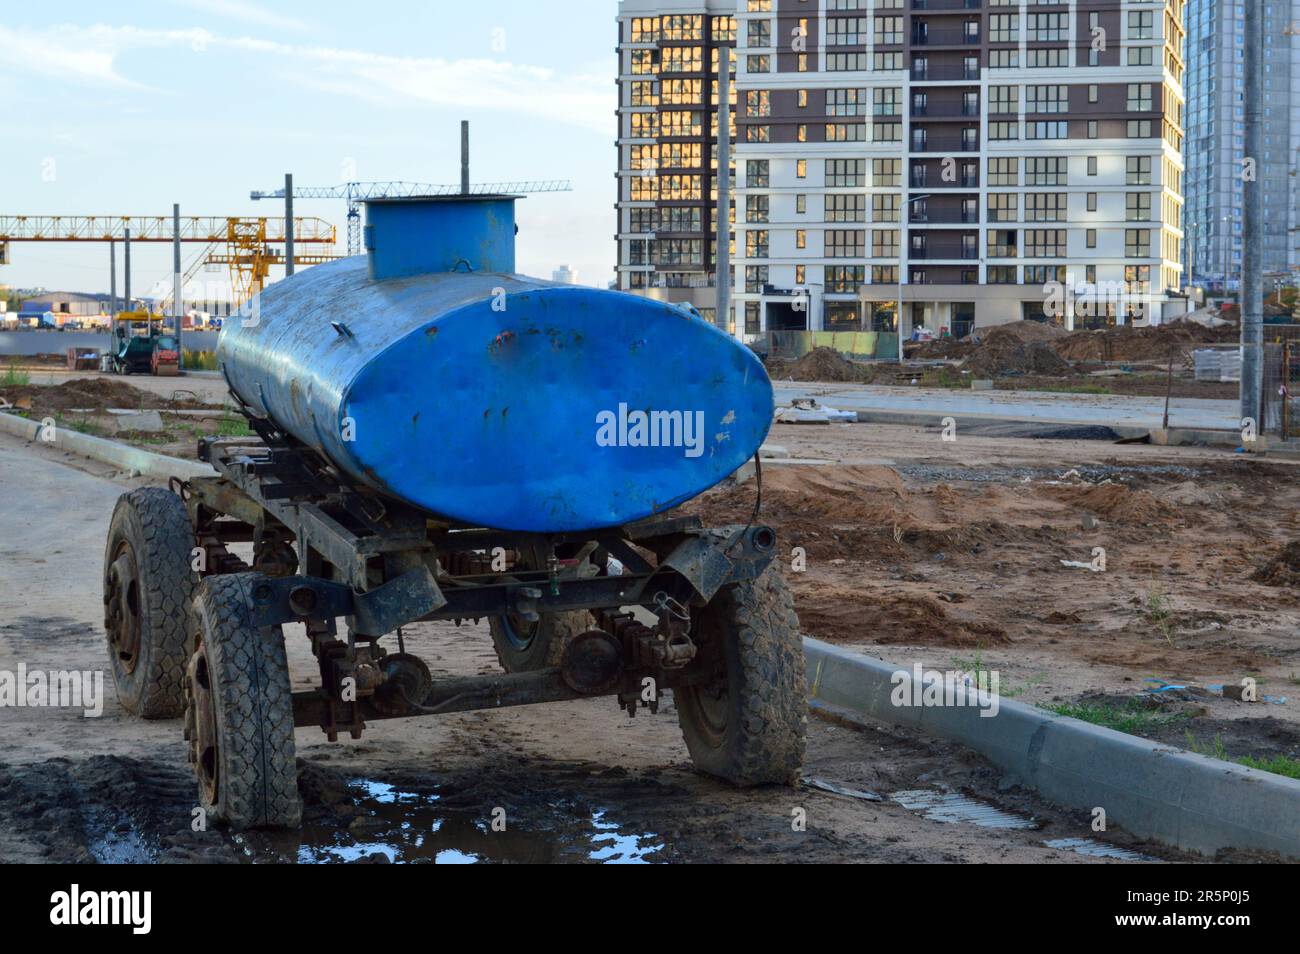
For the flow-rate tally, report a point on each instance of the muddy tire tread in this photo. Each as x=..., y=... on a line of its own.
x=765, y=744
x=167, y=588
x=259, y=778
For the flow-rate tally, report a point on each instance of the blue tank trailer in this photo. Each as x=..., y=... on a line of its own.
x=440, y=438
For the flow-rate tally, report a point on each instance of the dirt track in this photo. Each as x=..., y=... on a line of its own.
x=577, y=781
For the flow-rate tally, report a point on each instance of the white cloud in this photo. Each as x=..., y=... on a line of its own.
x=90, y=54
x=248, y=12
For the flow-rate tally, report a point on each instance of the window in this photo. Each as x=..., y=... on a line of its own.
x=1045, y=170
x=886, y=172
x=1004, y=59
x=884, y=208
x=845, y=208
x=1137, y=207
x=1045, y=207
x=1002, y=243
x=846, y=102
x=1004, y=172
x=753, y=318
x=886, y=101
x=847, y=132
x=1139, y=55
x=1052, y=57
x=1092, y=165
x=844, y=279
x=644, y=30
x=758, y=133
x=756, y=208
x=643, y=220
x=800, y=273
x=1044, y=274
x=1044, y=243
x=889, y=30
x=755, y=278
x=1000, y=131
x=1003, y=207
x=884, y=274
x=1002, y=275
x=1140, y=25
x=642, y=93
x=1091, y=238
x=1042, y=129
x=1138, y=170
x=756, y=174
x=1004, y=99
x=1047, y=27
x=801, y=168
x=682, y=59
x=756, y=243
x=846, y=31
x=1139, y=129
x=758, y=33
x=800, y=204
x=758, y=64
x=679, y=251
x=1092, y=202
x=681, y=124
x=1139, y=98
x=884, y=243
x=845, y=243
x=803, y=98
x=1137, y=243
x=1047, y=99
x=758, y=102
x=843, y=173
x=1094, y=93
x=1004, y=27
x=800, y=238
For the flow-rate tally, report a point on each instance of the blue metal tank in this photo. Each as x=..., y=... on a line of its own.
x=428, y=371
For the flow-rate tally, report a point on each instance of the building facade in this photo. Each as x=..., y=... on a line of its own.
x=1216, y=133
x=980, y=160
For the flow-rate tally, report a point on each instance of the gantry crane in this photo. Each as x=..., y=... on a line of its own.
x=357, y=192
x=249, y=242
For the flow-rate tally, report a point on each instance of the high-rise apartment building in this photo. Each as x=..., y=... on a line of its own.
x=1216, y=137
x=990, y=160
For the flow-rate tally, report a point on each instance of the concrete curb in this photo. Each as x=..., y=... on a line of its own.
x=119, y=455
x=1175, y=797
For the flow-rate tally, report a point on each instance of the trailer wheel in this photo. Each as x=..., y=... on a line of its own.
x=747, y=724
x=526, y=647
x=239, y=710
x=148, y=587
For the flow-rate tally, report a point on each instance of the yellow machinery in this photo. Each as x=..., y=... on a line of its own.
x=250, y=242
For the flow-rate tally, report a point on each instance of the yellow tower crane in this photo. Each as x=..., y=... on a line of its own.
x=250, y=243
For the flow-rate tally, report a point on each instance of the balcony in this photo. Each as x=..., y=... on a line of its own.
x=939, y=6
x=944, y=218
x=949, y=37
x=944, y=255
x=922, y=73
x=945, y=112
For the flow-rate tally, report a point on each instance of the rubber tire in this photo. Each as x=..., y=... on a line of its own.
x=546, y=647
x=257, y=769
x=154, y=522
x=766, y=703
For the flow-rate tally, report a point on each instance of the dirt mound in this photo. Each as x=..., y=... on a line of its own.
x=1023, y=347
x=94, y=394
x=1283, y=569
x=1126, y=343
x=820, y=364
x=1117, y=503
x=940, y=349
x=835, y=614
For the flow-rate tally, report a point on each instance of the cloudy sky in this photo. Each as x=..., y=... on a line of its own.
x=126, y=107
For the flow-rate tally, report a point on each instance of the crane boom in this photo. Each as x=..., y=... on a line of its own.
x=152, y=228
x=357, y=192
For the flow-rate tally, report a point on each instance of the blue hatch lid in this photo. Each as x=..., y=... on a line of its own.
x=423, y=234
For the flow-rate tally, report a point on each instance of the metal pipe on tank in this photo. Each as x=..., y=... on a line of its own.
x=464, y=157
x=288, y=224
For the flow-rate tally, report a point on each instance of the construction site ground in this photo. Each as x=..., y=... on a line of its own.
x=914, y=549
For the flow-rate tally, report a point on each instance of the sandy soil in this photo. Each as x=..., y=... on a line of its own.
x=936, y=552
x=577, y=781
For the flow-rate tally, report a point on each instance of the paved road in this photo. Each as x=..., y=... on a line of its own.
x=1113, y=409
x=58, y=342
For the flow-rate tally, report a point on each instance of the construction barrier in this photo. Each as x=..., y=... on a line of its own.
x=864, y=345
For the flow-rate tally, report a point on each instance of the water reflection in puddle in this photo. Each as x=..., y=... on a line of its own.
x=404, y=826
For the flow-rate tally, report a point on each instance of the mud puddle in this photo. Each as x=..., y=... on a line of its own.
x=393, y=825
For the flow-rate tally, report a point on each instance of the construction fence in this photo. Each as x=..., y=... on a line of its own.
x=862, y=345
x=1280, y=402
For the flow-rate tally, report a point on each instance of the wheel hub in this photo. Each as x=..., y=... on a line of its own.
x=123, y=609
x=201, y=729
